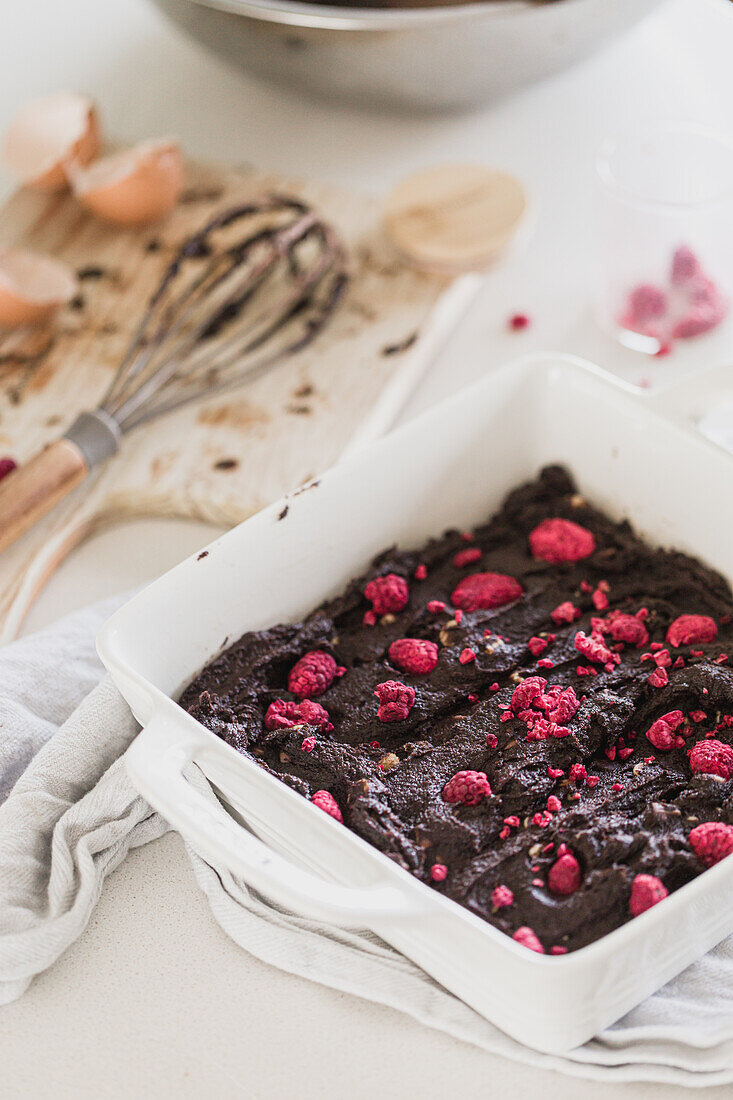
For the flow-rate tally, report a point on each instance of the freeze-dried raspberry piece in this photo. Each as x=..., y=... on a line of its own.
x=485, y=591
x=565, y=613
x=594, y=648
x=647, y=302
x=326, y=802
x=559, y=704
x=709, y=307
x=525, y=693
x=600, y=599
x=466, y=557
x=659, y=678
x=308, y=744
x=692, y=629
x=661, y=733
x=439, y=872
x=7, y=465
x=313, y=674
x=467, y=655
x=577, y=774
x=467, y=787
x=396, y=700
x=712, y=841
x=435, y=607
x=541, y=729
x=627, y=629
x=501, y=897
x=564, y=876
x=414, y=655
x=284, y=714
x=646, y=891
x=712, y=757
x=387, y=594
x=527, y=938
x=537, y=645
x=685, y=266
x=557, y=540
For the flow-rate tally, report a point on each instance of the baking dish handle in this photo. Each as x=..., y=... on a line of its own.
x=156, y=761
x=692, y=398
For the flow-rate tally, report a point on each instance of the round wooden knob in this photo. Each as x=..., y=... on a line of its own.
x=454, y=218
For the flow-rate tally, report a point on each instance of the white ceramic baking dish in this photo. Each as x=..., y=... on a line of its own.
x=634, y=454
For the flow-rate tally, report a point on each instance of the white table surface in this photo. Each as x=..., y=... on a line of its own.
x=154, y=1001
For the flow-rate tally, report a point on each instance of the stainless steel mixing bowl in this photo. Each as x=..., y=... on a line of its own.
x=416, y=58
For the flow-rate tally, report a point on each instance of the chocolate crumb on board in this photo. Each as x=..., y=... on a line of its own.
x=203, y=554
x=395, y=349
x=226, y=464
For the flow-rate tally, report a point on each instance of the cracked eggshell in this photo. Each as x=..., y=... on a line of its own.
x=32, y=287
x=134, y=187
x=47, y=136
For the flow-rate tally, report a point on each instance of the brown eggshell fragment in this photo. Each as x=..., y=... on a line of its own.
x=49, y=134
x=134, y=187
x=32, y=287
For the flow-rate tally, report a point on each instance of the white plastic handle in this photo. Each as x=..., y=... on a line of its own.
x=155, y=762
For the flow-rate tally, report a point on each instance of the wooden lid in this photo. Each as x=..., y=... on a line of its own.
x=454, y=218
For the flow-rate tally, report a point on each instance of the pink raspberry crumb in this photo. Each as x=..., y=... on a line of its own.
x=467, y=655
x=7, y=465
x=564, y=877
x=554, y=804
x=388, y=594
x=414, y=655
x=577, y=774
x=467, y=788
x=396, y=700
x=692, y=629
x=712, y=757
x=712, y=841
x=313, y=674
x=484, y=591
x=502, y=897
x=326, y=802
x=646, y=891
x=658, y=678
x=438, y=872
x=284, y=714
x=308, y=744
x=518, y=321
x=435, y=606
x=466, y=557
x=537, y=645
x=565, y=613
x=557, y=540
x=661, y=733
x=421, y=572
x=527, y=938
x=594, y=648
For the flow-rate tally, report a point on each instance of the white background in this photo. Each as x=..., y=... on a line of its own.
x=154, y=1001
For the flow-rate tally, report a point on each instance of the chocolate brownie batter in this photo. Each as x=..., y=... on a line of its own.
x=535, y=718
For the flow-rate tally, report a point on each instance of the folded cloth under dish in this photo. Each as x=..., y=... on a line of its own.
x=71, y=815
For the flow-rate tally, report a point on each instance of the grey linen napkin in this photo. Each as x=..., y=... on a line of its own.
x=71, y=815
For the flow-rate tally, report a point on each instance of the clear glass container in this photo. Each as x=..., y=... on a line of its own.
x=665, y=264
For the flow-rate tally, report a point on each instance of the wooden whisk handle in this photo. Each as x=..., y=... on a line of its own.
x=31, y=491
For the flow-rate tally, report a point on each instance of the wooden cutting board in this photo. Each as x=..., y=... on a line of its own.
x=223, y=459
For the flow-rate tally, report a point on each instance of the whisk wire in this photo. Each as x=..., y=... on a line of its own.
x=254, y=303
